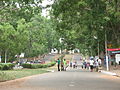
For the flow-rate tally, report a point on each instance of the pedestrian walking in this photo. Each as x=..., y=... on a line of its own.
x=75, y=64
x=96, y=65
x=88, y=65
x=82, y=65
x=58, y=62
x=71, y=64
x=85, y=64
x=64, y=64
x=99, y=62
x=91, y=65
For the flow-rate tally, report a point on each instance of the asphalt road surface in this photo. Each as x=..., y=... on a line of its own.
x=72, y=79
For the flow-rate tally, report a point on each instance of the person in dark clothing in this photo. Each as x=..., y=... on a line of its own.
x=58, y=62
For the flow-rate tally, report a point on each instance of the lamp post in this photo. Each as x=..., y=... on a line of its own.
x=107, y=64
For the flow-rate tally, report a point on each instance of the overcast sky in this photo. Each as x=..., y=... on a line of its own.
x=45, y=12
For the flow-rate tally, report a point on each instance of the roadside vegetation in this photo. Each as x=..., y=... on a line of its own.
x=7, y=72
x=15, y=74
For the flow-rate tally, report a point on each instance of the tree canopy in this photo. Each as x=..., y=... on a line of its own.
x=86, y=19
x=82, y=23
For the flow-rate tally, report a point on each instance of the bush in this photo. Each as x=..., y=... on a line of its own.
x=1, y=67
x=35, y=66
x=45, y=65
x=6, y=66
x=25, y=65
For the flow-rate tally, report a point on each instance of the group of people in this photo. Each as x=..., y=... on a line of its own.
x=73, y=64
x=92, y=64
x=63, y=64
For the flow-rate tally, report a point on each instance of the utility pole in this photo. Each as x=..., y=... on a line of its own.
x=107, y=64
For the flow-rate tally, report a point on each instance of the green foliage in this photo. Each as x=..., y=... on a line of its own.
x=7, y=66
x=80, y=20
x=23, y=29
x=26, y=65
x=15, y=74
x=35, y=66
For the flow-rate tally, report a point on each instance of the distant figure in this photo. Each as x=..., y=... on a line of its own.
x=58, y=62
x=85, y=64
x=71, y=64
x=82, y=65
x=75, y=65
x=96, y=65
x=88, y=65
x=91, y=65
x=99, y=62
x=64, y=64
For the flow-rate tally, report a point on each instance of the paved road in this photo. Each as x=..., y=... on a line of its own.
x=76, y=58
x=48, y=57
x=72, y=79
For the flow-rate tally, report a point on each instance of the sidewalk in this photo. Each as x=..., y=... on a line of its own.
x=114, y=71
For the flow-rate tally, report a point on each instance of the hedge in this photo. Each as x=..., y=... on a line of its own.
x=6, y=66
x=35, y=66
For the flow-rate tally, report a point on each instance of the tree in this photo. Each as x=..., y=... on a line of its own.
x=88, y=18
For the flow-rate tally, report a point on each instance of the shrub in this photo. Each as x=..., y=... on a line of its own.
x=35, y=66
x=1, y=67
x=6, y=66
x=45, y=65
x=25, y=65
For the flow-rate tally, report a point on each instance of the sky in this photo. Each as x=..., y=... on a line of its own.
x=45, y=12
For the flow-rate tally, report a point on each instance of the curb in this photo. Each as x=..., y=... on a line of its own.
x=109, y=73
x=50, y=70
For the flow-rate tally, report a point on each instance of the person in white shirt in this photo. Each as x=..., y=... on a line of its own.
x=99, y=61
x=91, y=65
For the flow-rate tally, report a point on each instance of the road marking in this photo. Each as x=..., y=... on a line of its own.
x=71, y=85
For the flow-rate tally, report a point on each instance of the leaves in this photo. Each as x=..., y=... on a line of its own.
x=88, y=18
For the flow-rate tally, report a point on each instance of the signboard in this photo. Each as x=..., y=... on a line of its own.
x=117, y=57
x=113, y=52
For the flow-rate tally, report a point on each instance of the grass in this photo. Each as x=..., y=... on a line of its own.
x=15, y=74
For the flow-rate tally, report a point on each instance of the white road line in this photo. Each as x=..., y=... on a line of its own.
x=71, y=85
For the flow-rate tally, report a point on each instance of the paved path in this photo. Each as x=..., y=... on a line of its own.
x=72, y=79
x=48, y=57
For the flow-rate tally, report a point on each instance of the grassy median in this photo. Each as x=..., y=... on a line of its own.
x=14, y=74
